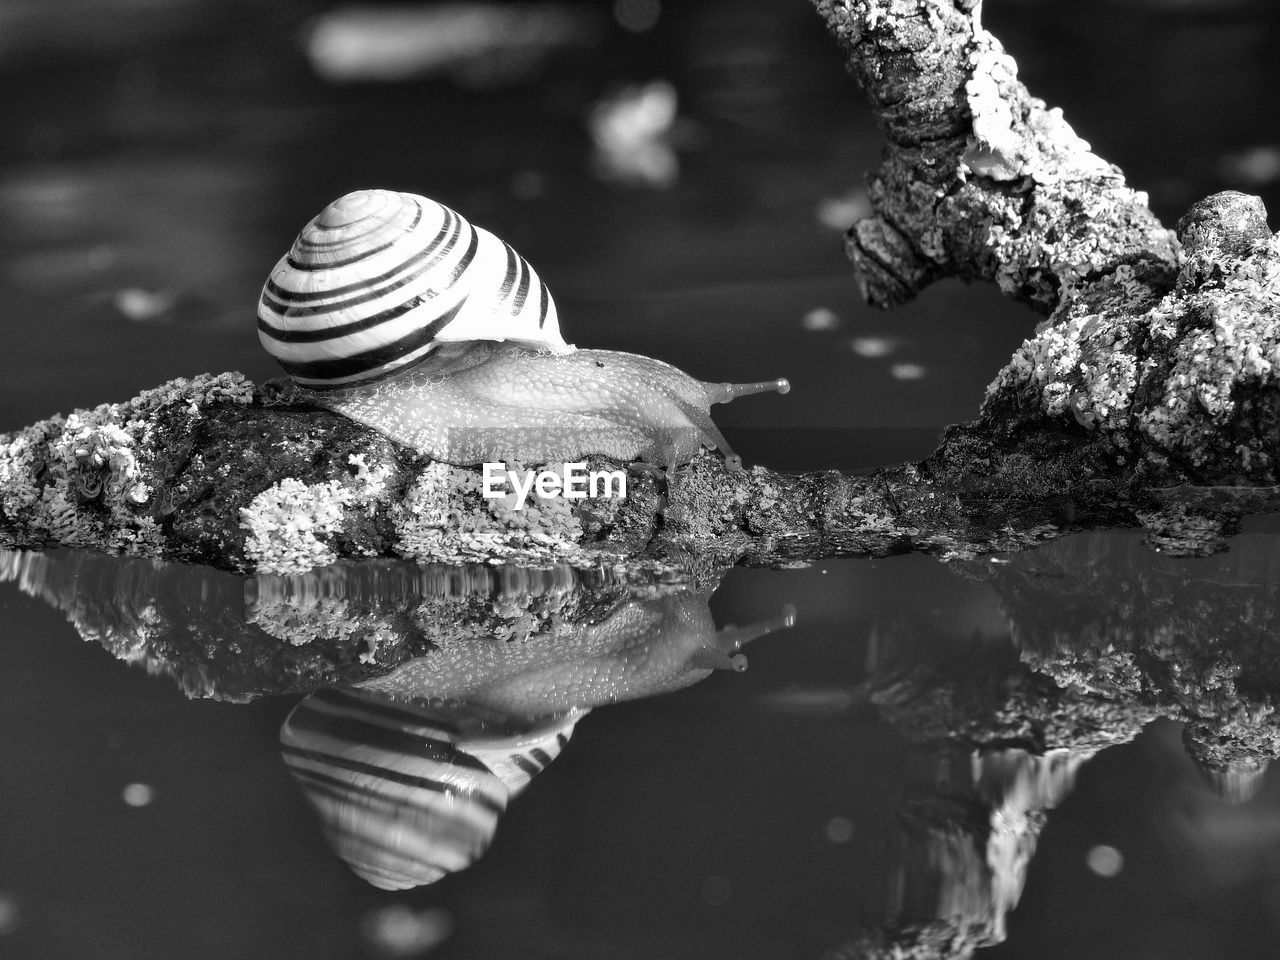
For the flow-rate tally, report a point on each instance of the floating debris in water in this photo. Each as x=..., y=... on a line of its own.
x=1255, y=167
x=399, y=930
x=138, y=794
x=144, y=306
x=638, y=16
x=908, y=371
x=632, y=130
x=839, y=829
x=873, y=347
x=820, y=318
x=1105, y=861
x=484, y=44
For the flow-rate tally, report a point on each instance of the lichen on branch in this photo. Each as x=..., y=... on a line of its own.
x=1187, y=381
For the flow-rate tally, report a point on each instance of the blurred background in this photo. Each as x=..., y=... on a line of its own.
x=679, y=173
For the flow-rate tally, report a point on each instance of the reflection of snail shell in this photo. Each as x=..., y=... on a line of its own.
x=379, y=279
x=404, y=796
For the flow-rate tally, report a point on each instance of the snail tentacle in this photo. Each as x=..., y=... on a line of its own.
x=725, y=392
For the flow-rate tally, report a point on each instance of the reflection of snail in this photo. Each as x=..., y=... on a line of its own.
x=410, y=776
x=642, y=648
x=410, y=792
x=393, y=310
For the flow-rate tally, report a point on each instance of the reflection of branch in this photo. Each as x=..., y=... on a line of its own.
x=523, y=643
x=1108, y=635
x=1109, y=620
x=965, y=835
x=197, y=626
x=1151, y=376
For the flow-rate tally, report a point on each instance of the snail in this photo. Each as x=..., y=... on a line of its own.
x=393, y=310
x=410, y=792
x=410, y=773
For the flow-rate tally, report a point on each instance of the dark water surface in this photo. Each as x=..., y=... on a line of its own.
x=927, y=745
x=924, y=746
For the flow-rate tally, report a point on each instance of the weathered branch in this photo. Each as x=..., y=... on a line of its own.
x=980, y=180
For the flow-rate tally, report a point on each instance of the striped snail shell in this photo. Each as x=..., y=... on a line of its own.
x=409, y=792
x=379, y=279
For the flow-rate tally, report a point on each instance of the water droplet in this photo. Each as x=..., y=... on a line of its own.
x=1105, y=861
x=839, y=829
x=907, y=371
x=637, y=16
x=872, y=347
x=138, y=794
x=400, y=931
x=820, y=318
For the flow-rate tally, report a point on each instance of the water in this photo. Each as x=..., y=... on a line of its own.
x=158, y=158
x=912, y=743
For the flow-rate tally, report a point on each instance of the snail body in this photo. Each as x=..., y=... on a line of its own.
x=393, y=310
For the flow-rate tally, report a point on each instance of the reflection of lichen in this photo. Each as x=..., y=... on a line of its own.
x=520, y=618
x=1108, y=619
x=1180, y=532
x=214, y=633
x=327, y=620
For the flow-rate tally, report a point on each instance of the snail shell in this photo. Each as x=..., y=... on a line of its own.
x=379, y=279
x=410, y=792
